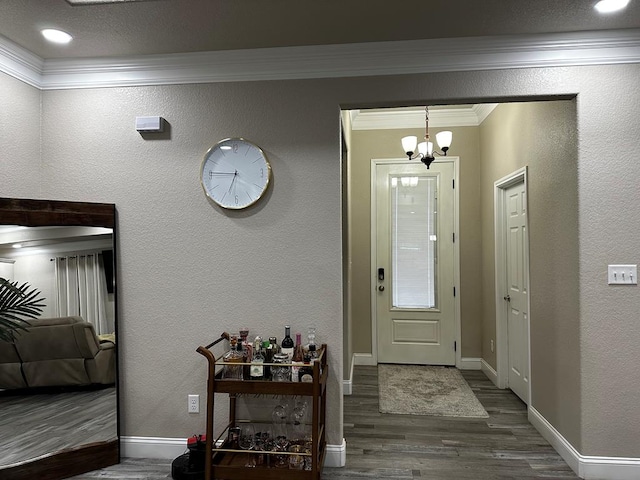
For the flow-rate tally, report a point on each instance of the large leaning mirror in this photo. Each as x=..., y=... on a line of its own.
x=58, y=378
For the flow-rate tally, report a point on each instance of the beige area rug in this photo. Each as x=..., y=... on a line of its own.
x=426, y=390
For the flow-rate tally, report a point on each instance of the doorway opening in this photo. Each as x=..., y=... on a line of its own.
x=504, y=138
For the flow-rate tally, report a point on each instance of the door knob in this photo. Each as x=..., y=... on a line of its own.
x=381, y=288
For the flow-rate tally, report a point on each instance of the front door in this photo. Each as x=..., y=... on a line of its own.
x=518, y=290
x=414, y=274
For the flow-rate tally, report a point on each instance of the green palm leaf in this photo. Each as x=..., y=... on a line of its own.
x=18, y=305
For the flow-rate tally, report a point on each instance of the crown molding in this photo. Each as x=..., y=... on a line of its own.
x=404, y=118
x=20, y=63
x=326, y=61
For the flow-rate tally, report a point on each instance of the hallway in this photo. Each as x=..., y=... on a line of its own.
x=504, y=446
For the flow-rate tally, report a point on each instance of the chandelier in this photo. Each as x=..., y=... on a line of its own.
x=425, y=149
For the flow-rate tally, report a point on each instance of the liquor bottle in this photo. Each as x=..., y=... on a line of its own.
x=233, y=356
x=311, y=339
x=313, y=354
x=257, y=363
x=267, y=351
x=298, y=358
x=255, y=345
x=273, y=344
x=305, y=374
x=247, y=351
x=247, y=348
x=287, y=342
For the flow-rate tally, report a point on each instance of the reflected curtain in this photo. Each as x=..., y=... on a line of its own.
x=82, y=290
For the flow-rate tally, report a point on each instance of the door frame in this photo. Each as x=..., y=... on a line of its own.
x=502, y=333
x=456, y=250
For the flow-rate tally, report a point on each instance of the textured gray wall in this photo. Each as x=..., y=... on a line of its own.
x=542, y=136
x=20, y=170
x=188, y=271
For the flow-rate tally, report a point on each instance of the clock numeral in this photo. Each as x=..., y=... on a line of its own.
x=235, y=148
x=236, y=198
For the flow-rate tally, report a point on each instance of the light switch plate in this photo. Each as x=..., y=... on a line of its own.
x=623, y=274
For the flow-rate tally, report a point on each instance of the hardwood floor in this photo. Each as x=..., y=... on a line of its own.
x=36, y=425
x=382, y=446
x=504, y=446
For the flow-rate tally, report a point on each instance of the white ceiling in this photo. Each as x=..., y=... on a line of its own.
x=42, y=240
x=146, y=42
x=181, y=26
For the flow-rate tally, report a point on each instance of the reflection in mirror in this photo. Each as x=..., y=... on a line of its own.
x=58, y=397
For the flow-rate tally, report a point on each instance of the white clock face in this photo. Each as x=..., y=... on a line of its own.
x=235, y=173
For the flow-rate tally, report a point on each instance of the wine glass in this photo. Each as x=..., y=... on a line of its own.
x=247, y=441
x=299, y=411
x=279, y=414
x=298, y=419
x=281, y=444
x=263, y=443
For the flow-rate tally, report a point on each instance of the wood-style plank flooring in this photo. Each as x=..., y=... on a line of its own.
x=504, y=446
x=34, y=425
x=381, y=446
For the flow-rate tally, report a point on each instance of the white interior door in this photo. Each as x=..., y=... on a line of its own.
x=517, y=277
x=414, y=274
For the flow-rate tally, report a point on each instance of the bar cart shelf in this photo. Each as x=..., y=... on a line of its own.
x=222, y=461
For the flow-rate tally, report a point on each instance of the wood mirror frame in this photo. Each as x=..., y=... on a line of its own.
x=37, y=213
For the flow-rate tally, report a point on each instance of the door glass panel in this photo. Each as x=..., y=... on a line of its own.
x=414, y=209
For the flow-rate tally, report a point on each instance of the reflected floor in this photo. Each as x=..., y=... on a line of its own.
x=35, y=425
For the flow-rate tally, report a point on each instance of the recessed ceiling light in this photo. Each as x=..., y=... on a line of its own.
x=56, y=36
x=608, y=6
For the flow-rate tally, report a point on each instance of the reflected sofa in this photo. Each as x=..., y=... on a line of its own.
x=62, y=351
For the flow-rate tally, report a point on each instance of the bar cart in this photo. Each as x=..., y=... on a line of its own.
x=224, y=460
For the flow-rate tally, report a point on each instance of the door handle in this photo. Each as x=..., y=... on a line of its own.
x=381, y=288
x=507, y=298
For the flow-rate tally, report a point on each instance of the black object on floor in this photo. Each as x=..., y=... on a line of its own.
x=190, y=466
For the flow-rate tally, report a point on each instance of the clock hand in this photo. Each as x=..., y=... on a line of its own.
x=235, y=175
x=222, y=173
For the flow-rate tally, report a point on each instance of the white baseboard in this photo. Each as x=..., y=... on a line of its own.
x=347, y=387
x=364, y=359
x=152, y=447
x=347, y=384
x=587, y=467
x=170, y=448
x=336, y=455
x=489, y=371
x=470, y=363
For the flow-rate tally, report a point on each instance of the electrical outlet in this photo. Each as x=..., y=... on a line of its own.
x=194, y=404
x=491, y=346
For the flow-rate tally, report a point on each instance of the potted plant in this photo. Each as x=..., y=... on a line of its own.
x=18, y=305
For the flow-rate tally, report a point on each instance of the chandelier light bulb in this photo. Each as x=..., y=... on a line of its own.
x=409, y=143
x=444, y=139
x=429, y=149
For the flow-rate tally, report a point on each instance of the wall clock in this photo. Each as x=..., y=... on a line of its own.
x=235, y=173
